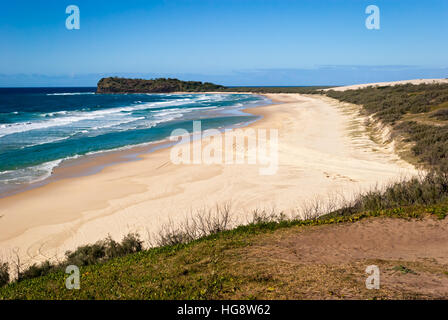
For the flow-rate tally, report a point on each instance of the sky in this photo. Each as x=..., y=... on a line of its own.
x=230, y=42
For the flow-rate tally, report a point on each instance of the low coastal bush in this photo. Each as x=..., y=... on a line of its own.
x=98, y=252
x=35, y=271
x=441, y=114
x=4, y=274
x=104, y=250
x=430, y=143
x=428, y=189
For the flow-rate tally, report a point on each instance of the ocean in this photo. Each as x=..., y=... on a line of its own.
x=41, y=127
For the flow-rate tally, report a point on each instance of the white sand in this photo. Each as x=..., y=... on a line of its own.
x=391, y=83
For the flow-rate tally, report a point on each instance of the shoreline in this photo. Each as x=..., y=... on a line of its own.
x=92, y=163
x=317, y=157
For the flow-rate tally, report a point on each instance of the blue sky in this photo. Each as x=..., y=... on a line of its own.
x=233, y=42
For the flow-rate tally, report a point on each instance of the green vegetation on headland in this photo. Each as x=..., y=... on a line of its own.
x=161, y=85
x=167, y=85
x=207, y=259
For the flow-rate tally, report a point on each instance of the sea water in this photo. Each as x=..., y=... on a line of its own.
x=41, y=127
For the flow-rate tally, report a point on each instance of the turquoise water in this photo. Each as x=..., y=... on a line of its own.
x=41, y=127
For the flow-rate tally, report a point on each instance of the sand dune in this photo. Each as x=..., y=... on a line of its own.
x=390, y=83
x=323, y=149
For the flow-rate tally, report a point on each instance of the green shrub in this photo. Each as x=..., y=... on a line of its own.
x=36, y=271
x=98, y=252
x=86, y=255
x=4, y=274
x=430, y=142
x=130, y=244
x=104, y=250
x=441, y=114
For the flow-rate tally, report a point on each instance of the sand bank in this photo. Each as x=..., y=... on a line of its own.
x=390, y=83
x=323, y=148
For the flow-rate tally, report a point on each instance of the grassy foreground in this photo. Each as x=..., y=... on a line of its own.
x=233, y=265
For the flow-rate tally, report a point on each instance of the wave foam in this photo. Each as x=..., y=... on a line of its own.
x=69, y=93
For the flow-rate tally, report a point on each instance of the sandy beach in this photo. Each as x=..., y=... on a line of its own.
x=389, y=83
x=324, y=148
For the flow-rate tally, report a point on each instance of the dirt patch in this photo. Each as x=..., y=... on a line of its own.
x=382, y=238
x=329, y=262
